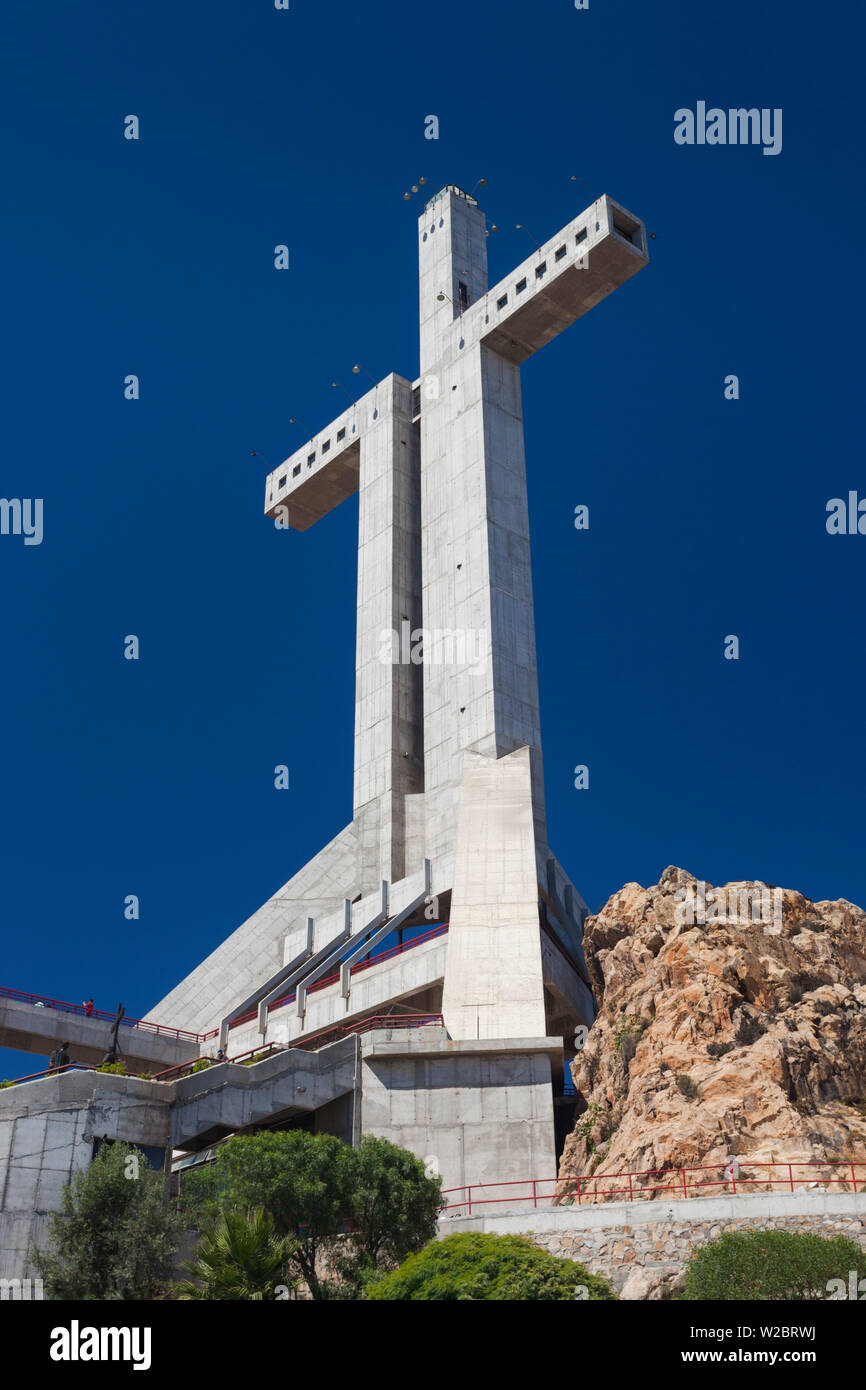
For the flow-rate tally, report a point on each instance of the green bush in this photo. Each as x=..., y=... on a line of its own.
x=688, y=1087
x=241, y=1256
x=365, y=1208
x=475, y=1266
x=116, y=1236
x=115, y=1068
x=770, y=1265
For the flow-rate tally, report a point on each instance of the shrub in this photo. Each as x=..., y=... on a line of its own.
x=392, y=1204
x=201, y=1065
x=475, y=1266
x=115, y=1236
x=719, y=1049
x=241, y=1257
x=687, y=1086
x=749, y=1030
x=805, y=981
x=770, y=1265
x=628, y=1028
x=314, y=1187
x=115, y=1068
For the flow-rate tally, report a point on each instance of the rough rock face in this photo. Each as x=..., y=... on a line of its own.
x=718, y=1034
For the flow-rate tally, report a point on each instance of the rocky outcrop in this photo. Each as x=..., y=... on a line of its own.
x=721, y=1035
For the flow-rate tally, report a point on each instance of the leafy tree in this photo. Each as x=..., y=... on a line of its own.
x=476, y=1266
x=769, y=1265
x=393, y=1206
x=301, y=1179
x=366, y=1208
x=241, y=1256
x=115, y=1236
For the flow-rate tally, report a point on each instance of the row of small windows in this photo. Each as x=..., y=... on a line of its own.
x=541, y=270
x=311, y=458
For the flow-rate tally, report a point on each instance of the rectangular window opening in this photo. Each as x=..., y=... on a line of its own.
x=501, y=303
x=520, y=286
x=560, y=253
x=341, y=434
x=326, y=446
x=296, y=470
x=283, y=481
x=541, y=270
x=581, y=236
x=311, y=459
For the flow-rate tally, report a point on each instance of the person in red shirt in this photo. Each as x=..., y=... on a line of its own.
x=88, y=1008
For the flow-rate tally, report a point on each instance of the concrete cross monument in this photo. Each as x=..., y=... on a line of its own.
x=449, y=821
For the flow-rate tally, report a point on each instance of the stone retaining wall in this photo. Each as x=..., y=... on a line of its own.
x=657, y=1238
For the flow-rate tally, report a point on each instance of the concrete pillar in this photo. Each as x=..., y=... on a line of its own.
x=494, y=985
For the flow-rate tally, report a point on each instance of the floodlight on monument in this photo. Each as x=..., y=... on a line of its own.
x=254, y=454
x=575, y=179
x=522, y=228
x=345, y=392
x=407, y=196
x=294, y=421
x=358, y=368
x=482, y=183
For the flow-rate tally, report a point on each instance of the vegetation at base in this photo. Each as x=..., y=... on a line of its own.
x=241, y=1256
x=115, y=1068
x=115, y=1236
x=627, y=1028
x=476, y=1266
x=687, y=1086
x=770, y=1265
x=362, y=1209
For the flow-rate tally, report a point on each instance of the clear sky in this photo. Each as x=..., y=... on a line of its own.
x=707, y=517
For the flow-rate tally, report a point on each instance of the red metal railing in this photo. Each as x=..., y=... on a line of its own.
x=673, y=1182
x=309, y=1042
x=62, y=1006
x=439, y=930
x=313, y=1041
x=49, y=1071
x=374, y=960
x=186, y=1068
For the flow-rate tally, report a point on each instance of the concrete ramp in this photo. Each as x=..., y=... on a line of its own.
x=208, y=1105
x=39, y=1029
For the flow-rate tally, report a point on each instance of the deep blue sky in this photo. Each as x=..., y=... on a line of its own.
x=261, y=127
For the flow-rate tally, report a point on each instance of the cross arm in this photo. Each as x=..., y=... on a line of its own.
x=567, y=276
x=315, y=479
